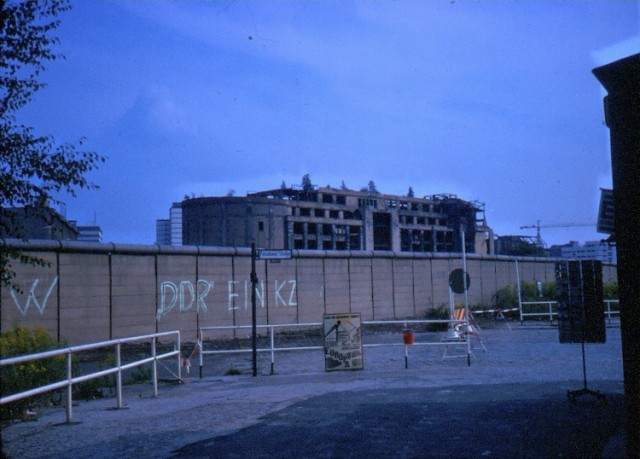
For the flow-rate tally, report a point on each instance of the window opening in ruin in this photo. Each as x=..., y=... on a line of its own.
x=366, y=202
x=381, y=231
x=327, y=198
x=405, y=245
x=334, y=214
x=340, y=199
x=260, y=226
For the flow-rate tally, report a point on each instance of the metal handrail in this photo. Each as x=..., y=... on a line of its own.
x=272, y=349
x=118, y=369
x=552, y=313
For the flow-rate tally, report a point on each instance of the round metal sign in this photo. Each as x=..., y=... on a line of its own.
x=456, y=280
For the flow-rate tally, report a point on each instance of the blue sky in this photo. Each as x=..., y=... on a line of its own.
x=490, y=100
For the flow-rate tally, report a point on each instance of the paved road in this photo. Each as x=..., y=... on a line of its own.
x=511, y=402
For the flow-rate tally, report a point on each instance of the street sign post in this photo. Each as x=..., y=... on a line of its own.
x=265, y=254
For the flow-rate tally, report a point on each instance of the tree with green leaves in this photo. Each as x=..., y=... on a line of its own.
x=34, y=169
x=372, y=187
x=410, y=193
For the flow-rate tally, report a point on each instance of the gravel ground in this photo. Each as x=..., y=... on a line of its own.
x=528, y=359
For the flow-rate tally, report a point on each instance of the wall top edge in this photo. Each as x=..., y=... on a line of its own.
x=154, y=249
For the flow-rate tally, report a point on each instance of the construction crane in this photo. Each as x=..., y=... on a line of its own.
x=537, y=226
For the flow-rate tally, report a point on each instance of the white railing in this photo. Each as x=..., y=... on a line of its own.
x=117, y=369
x=272, y=349
x=609, y=312
x=552, y=312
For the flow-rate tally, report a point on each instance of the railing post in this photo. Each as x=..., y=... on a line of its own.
x=200, y=350
x=155, y=366
x=550, y=313
x=118, y=376
x=69, y=388
x=272, y=349
x=519, y=293
x=179, y=358
x=406, y=357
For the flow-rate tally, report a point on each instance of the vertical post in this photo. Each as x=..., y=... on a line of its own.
x=179, y=357
x=406, y=356
x=550, y=313
x=621, y=79
x=200, y=356
x=254, y=333
x=69, y=388
x=118, y=376
x=466, y=294
x=155, y=367
x=519, y=293
x=272, y=349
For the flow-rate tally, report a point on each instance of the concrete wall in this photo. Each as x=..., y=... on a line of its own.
x=92, y=292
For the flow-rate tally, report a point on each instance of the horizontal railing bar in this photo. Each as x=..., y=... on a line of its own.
x=412, y=321
x=32, y=392
x=235, y=327
x=98, y=374
x=84, y=347
x=440, y=343
x=78, y=379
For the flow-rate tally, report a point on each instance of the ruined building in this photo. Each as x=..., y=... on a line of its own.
x=336, y=219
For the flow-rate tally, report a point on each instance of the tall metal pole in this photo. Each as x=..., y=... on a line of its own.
x=466, y=294
x=519, y=292
x=254, y=334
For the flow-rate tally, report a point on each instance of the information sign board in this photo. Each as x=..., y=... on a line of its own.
x=342, y=342
x=580, y=304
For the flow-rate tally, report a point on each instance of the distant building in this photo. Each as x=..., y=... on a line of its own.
x=591, y=250
x=23, y=223
x=163, y=232
x=89, y=233
x=337, y=219
x=519, y=246
x=169, y=231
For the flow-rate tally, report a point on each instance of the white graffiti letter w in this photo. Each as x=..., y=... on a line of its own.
x=31, y=297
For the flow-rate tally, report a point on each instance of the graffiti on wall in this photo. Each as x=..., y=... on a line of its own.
x=183, y=296
x=32, y=299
